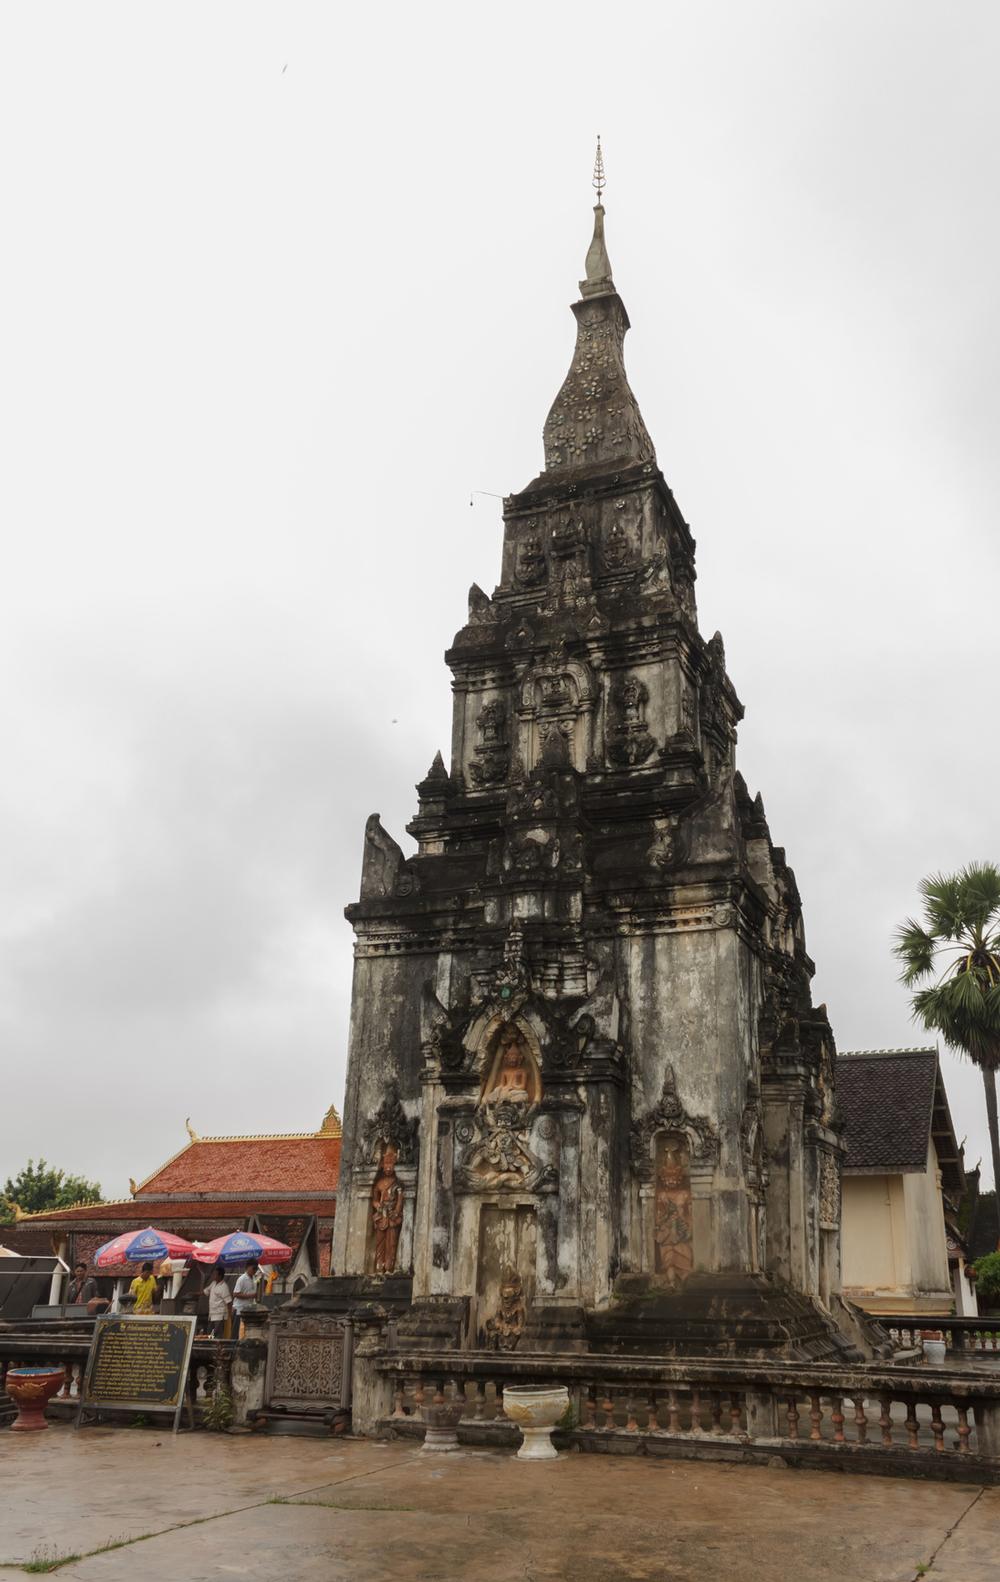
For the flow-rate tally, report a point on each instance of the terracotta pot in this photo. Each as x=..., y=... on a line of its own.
x=30, y=1389
x=441, y=1422
x=536, y=1413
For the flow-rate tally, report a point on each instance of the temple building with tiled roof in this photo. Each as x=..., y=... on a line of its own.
x=283, y=1185
x=903, y=1180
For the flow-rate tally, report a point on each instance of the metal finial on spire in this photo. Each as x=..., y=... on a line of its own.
x=599, y=181
x=598, y=282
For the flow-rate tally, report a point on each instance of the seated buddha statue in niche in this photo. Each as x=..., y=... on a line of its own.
x=511, y=1070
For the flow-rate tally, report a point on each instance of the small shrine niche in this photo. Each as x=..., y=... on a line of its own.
x=511, y=1071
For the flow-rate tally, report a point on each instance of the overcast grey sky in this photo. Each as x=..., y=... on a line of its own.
x=282, y=283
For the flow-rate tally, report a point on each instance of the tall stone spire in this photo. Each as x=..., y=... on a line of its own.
x=595, y=419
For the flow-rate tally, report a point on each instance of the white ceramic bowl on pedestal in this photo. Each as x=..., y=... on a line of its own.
x=536, y=1413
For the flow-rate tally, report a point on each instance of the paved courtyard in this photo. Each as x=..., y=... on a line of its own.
x=204, y=1506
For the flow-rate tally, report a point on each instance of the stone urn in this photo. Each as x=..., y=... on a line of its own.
x=536, y=1413
x=934, y=1345
x=30, y=1389
x=441, y=1420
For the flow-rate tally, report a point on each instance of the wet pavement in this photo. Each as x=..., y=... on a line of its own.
x=203, y=1506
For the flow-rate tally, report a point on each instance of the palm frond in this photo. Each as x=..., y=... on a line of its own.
x=915, y=949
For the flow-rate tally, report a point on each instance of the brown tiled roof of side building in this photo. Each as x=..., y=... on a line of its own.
x=886, y=1099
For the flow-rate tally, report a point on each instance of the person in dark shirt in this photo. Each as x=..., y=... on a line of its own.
x=82, y=1287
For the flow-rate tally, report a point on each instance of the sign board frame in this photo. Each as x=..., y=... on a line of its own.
x=185, y=1322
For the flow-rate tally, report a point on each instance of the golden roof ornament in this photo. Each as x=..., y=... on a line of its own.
x=331, y=1126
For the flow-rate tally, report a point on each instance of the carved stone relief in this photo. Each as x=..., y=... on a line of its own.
x=621, y=539
x=389, y=1126
x=492, y=751
x=387, y=1213
x=629, y=742
x=530, y=568
x=503, y=1329
x=669, y=1115
x=672, y=1217
x=829, y=1191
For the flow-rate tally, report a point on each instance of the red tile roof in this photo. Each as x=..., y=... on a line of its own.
x=167, y=1214
x=309, y=1163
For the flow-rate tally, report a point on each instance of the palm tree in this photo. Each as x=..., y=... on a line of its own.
x=958, y=945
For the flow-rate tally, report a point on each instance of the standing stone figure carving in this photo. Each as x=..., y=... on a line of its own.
x=387, y=1211
x=672, y=1211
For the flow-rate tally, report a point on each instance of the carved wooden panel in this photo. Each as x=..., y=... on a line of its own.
x=307, y=1365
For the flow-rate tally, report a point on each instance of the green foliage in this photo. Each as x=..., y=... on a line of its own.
x=40, y=1186
x=988, y=1279
x=957, y=944
x=218, y=1413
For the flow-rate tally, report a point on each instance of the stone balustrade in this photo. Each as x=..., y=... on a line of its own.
x=965, y=1335
x=885, y=1418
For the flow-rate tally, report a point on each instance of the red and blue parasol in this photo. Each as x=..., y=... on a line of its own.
x=240, y=1247
x=142, y=1246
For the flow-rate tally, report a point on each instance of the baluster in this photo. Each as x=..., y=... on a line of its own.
x=201, y=1374
x=399, y=1395
x=937, y=1424
x=75, y=1387
x=963, y=1428
x=479, y=1403
x=67, y=1384
x=735, y=1414
x=695, y=1409
x=590, y=1408
x=716, y=1409
x=837, y=1419
x=912, y=1425
x=815, y=1417
x=673, y=1412
x=608, y=1408
x=885, y=1419
x=631, y=1421
x=793, y=1417
x=438, y=1398
x=653, y=1420
x=860, y=1420
x=418, y=1391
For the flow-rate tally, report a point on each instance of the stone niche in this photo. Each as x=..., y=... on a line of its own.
x=555, y=718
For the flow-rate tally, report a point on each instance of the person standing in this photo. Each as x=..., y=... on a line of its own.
x=245, y=1291
x=143, y=1288
x=82, y=1288
x=219, y=1299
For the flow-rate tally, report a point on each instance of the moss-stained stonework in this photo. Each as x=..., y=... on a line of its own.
x=581, y=1013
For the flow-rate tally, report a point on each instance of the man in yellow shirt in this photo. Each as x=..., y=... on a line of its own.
x=143, y=1288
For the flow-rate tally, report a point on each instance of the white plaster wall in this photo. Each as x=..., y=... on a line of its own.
x=873, y=1235
x=928, y=1246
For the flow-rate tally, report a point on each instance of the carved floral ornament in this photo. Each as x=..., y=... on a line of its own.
x=670, y=1115
x=390, y=1127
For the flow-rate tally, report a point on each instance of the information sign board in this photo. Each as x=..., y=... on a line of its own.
x=138, y=1364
